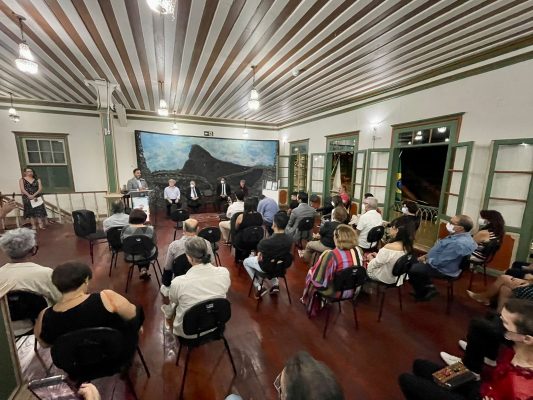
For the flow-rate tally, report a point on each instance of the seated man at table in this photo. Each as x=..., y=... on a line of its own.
x=118, y=218
x=368, y=220
x=444, y=259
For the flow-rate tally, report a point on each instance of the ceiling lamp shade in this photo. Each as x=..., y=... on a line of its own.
x=25, y=62
x=13, y=116
x=253, y=103
x=162, y=6
x=163, y=107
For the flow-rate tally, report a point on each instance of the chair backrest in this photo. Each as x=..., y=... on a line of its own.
x=179, y=215
x=207, y=315
x=490, y=249
x=180, y=265
x=211, y=234
x=113, y=238
x=306, y=224
x=465, y=263
x=349, y=279
x=25, y=305
x=138, y=245
x=90, y=353
x=84, y=222
x=250, y=237
x=375, y=234
x=233, y=220
x=403, y=264
x=277, y=266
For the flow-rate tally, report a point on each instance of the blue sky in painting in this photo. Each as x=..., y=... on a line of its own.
x=170, y=152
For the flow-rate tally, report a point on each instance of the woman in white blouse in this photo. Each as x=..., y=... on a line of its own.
x=380, y=264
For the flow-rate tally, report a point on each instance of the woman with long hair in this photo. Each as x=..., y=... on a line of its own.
x=491, y=227
x=31, y=188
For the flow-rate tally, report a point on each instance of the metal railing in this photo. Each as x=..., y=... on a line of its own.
x=424, y=212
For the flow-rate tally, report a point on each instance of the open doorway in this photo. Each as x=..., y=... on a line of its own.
x=341, y=173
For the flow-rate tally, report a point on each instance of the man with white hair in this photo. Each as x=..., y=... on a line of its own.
x=172, y=195
x=20, y=245
x=370, y=219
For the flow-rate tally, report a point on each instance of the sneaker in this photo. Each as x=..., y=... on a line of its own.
x=274, y=289
x=164, y=290
x=449, y=359
x=260, y=292
x=489, y=362
x=462, y=344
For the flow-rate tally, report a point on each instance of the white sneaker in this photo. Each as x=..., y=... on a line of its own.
x=489, y=362
x=462, y=344
x=164, y=290
x=449, y=359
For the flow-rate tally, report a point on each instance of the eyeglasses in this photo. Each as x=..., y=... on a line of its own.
x=277, y=384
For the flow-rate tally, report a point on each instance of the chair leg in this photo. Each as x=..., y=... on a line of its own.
x=185, y=372
x=400, y=297
x=485, y=274
x=175, y=231
x=217, y=259
x=229, y=354
x=130, y=276
x=178, y=356
x=327, y=321
x=449, y=297
x=472, y=272
x=354, y=305
x=381, y=303
x=287, y=287
x=41, y=361
x=113, y=254
x=91, y=245
x=251, y=286
x=139, y=352
x=155, y=273
x=127, y=378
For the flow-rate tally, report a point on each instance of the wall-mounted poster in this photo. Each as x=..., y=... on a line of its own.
x=204, y=160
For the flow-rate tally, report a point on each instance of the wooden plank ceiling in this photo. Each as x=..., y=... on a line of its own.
x=345, y=50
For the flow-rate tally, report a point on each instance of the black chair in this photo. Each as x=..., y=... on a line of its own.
x=232, y=223
x=92, y=353
x=85, y=228
x=212, y=235
x=179, y=216
x=275, y=267
x=374, y=236
x=465, y=263
x=115, y=245
x=343, y=281
x=400, y=270
x=138, y=251
x=26, y=306
x=206, y=321
x=208, y=198
x=489, y=251
x=305, y=226
x=246, y=241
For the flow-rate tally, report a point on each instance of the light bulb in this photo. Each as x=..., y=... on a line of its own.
x=12, y=111
x=163, y=108
x=442, y=129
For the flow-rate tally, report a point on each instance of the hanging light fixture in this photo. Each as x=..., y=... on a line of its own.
x=162, y=6
x=13, y=116
x=253, y=103
x=175, y=130
x=163, y=107
x=25, y=61
x=245, y=131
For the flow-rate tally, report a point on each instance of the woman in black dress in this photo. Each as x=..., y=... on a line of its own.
x=31, y=189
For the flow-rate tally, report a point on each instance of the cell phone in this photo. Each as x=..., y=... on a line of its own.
x=54, y=387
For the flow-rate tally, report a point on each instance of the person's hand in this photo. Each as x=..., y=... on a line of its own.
x=7, y=208
x=31, y=197
x=169, y=201
x=528, y=277
x=89, y=392
x=423, y=258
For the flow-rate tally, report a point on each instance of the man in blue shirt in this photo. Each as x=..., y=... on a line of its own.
x=267, y=207
x=444, y=259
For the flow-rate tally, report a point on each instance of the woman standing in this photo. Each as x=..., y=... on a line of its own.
x=31, y=189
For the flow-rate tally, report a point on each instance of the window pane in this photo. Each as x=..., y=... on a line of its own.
x=33, y=157
x=31, y=145
x=405, y=138
x=421, y=136
x=59, y=158
x=440, y=134
x=44, y=145
x=47, y=157
x=57, y=146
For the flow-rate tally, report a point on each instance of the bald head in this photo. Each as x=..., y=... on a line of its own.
x=190, y=226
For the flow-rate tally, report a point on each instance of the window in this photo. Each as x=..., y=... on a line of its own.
x=48, y=155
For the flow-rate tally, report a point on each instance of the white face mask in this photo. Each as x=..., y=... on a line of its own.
x=450, y=227
x=482, y=221
x=333, y=204
x=222, y=182
x=405, y=210
x=192, y=184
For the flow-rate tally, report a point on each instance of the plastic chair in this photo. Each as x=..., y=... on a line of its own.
x=212, y=235
x=374, y=236
x=140, y=246
x=115, y=245
x=206, y=321
x=489, y=251
x=85, y=228
x=304, y=226
x=247, y=240
x=179, y=216
x=275, y=267
x=465, y=262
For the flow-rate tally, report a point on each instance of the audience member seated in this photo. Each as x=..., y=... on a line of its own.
x=243, y=188
x=329, y=206
x=410, y=209
x=510, y=379
x=303, y=210
x=118, y=218
x=267, y=207
x=249, y=217
x=20, y=246
x=137, y=227
x=444, y=259
x=171, y=195
x=79, y=309
x=202, y=281
x=176, y=249
x=344, y=255
x=345, y=197
x=193, y=195
x=235, y=207
x=500, y=290
x=277, y=245
x=491, y=228
x=223, y=194
x=368, y=220
x=325, y=235
x=520, y=269
x=293, y=203
x=380, y=264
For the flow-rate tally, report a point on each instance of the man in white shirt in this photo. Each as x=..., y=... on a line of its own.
x=171, y=195
x=118, y=218
x=370, y=219
x=235, y=207
x=203, y=281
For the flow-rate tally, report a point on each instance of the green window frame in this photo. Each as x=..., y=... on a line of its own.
x=359, y=174
x=283, y=172
x=455, y=179
x=378, y=175
x=318, y=170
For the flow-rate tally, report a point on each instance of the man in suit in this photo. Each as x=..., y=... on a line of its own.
x=223, y=193
x=193, y=195
x=243, y=187
x=137, y=183
x=303, y=210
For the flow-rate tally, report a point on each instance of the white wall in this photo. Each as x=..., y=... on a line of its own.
x=497, y=105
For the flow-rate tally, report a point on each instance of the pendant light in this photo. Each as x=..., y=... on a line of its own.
x=162, y=6
x=13, y=116
x=25, y=61
x=163, y=107
x=175, y=130
x=245, y=131
x=253, y=103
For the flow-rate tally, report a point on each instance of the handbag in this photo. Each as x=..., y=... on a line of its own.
x=453, y=376
x=38, y=201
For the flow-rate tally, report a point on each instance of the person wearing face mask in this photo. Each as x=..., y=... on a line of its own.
x=444, y=259
x=410, y=209
x=509, y=379
x=223, y=193
x=491, y=228
x=193, y=195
